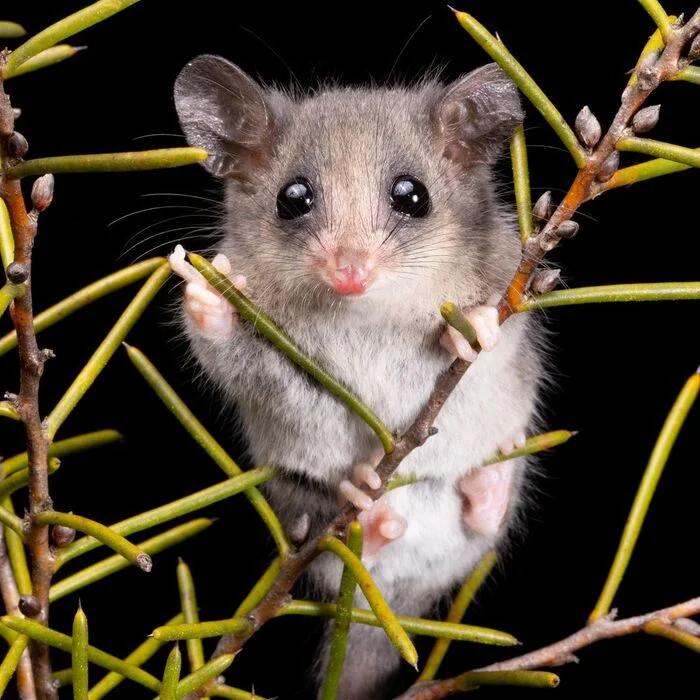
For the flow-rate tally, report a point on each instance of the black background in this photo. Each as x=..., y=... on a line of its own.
x=617, y=367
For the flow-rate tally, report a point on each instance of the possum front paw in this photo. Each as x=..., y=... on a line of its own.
x=484, y=320
x=381, y=524
x=486, y=494
x=212, y=316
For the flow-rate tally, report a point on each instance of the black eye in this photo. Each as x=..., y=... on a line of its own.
x=410, y=196
x=295, y=199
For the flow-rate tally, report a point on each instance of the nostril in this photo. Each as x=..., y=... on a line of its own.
x=350, y=279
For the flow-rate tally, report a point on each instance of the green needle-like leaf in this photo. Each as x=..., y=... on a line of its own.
x=9, y=292
x=79, y=656
x=259, y=590
x=652, y=474
x=200, y=630
x=452, y=315
x=644, y=171
x=17, y=555
x=343, y=618
x=10, y=520
x=459, y=607
x=521, y=182
x=527, y=85
x=87, y=17
x=691, y=74
x=675, y=634
x=63, y=677
x=108, y=566
x=137, y=658
x=658, y=14
x=108, y=537
x=643, y=291
x=226, y=691
x=36, y=630
x=537, y=443
x=376, y=601
x=412, y=625
x=190, y=611
x=12, y=657
x=205, y=440
x=79, y=443
x=171, y=675
x=110, y=162
x=50, y=57
x=529, y=679
x=660, y=149
x=170, y=511
x=11, y=30
x=21, y=478
x=104, y=352
x=209, y=671
x=84, y=296
x=7, y=241
x=7, y=411
x=267, y=328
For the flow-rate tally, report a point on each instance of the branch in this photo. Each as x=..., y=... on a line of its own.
x=561, y=652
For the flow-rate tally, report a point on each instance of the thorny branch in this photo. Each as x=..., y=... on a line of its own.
x=24, y=226
x=561, y=652
x=600, y=163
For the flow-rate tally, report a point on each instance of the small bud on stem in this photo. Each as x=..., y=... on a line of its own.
x=587, y=128
x=543, y=207
x=609, y=167
x=42, y=192
x=62, y=536
x=545, y=280
x=17, y=145
x=646, y=119
x=17, y=273
x=29, y=606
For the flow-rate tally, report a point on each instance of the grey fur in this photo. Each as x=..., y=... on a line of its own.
x=351, y=144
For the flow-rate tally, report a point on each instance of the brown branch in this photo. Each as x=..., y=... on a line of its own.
x=561, y=652
x=26, y=403
x=10, y=597
x=599, y=165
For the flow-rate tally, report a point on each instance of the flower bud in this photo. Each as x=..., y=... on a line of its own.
x=543, y=207
x=609, y=167
x=17, y=273
x=42, y=192
x=587, y=128
x=568, y=229
x=29, y=606
x=646, y=119
x=545, y=280
x=17, y=145
x=62, y=536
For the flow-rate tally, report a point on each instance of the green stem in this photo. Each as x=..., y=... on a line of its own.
x=8, y=293
x=170, y=511
x=17, y=555
x=110, y=162
x=647, y=487
x=21, y=478
x=660, y=149
x=679, y=636
x=412, y=625
x=455, y=318
x=190, y=612
x=343, y=618
x=8, y=411
x=690, y=74
x=49, y=57
x=527, y=85
x=7, y=240
x=205, y=440
x=537, y=443
x=266, y=327
x=108, y=566
x=259, y=590
x=521, y=182
x=63, y=677
x=104, y=352
x=12, y=521
x=83, y=297
x=87, y=17
x=11, y=660
x=380, y=607
x=200, y=630
x=171, y=675
x=226, y=691
x=528, y=679
x=37, y=631
x=658, y=14
x=108, y=537
x=643, y=291
x=79, y=443
x=137, y=658
x=11, y=30
x=210, y=670
x=79, y=656
x=459, y=607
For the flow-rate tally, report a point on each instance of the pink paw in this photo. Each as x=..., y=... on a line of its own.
x=486, y=494
x=484, y=320
x=212, y=315
x=381, y=523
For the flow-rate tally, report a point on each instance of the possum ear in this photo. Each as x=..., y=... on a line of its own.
x=223, y=111
x=476, y=114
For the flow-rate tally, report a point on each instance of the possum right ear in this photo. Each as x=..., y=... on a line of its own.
x=223, y=111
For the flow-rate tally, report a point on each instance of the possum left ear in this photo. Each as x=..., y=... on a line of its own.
x=477, y=114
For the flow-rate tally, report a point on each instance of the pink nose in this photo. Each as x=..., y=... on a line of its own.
x=351, y=279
